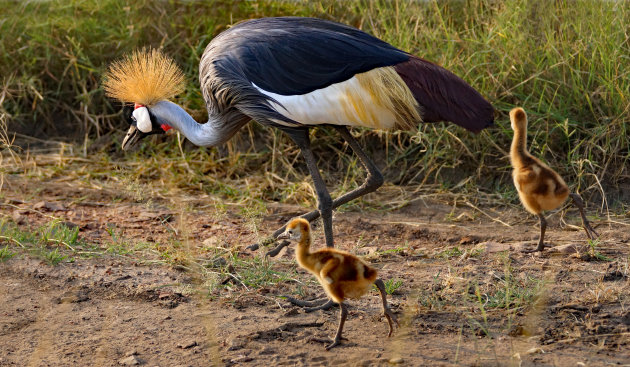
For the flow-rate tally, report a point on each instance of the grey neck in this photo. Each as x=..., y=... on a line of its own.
x=214, y=132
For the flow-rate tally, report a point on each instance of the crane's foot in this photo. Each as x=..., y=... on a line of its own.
x=314, y=305
x=540, y=247
x=266, y=242
x=276, y=250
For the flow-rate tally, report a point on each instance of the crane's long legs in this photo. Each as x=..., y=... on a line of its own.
x=325, y=205
x=373, y=181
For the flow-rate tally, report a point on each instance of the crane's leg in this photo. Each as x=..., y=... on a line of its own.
x=585, y=223
x=391, y=319
x=373, y=181
x=543, y=228
x=325, y=203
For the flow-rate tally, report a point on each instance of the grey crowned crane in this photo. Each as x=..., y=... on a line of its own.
x=294, y=73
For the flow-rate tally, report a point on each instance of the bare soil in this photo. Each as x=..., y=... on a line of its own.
x=120, y=308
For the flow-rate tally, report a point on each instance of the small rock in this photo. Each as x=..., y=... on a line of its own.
x=492, y=247
x=396, y=360
x=614, y=275
x=164, y=295
x=534, y=350
x=368, y=250
x=188, y=344
x=49, y=206
x=72, y=297
x=132, y=352
x=267, y=350
x=241, y=358
x=18, y=218
x=292, y=312
x=237, y=343
x=564, y=249
x=70, y=225
x=129, y=361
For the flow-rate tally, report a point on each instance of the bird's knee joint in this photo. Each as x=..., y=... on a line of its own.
x=325, y=204
x=376, y=179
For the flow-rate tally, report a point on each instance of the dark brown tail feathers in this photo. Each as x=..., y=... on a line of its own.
x=443, y=96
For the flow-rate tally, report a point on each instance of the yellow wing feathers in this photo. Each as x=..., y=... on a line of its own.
x=144, y=77
x=388, y=90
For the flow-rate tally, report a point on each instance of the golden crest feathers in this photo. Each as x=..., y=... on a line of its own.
x=144, y=77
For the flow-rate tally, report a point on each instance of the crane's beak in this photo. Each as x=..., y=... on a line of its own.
x=132, y=138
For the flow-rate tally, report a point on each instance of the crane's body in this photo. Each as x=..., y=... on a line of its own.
x=294, y=73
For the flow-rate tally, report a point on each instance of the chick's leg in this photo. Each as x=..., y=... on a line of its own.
x=391, y=318
x=342, y=320
x=585, y=223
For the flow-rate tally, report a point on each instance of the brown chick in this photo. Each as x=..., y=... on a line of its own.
x=342, y=275
x=539, y=187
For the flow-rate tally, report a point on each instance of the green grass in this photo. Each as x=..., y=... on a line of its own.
x=257, y=272
x=566, y=63
x=6, y=253
x=391, y=285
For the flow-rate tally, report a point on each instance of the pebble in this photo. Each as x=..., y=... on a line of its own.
x=188, y=344
x=396, y=360
x=534, y=350
x=129, y=361
x=241, y=359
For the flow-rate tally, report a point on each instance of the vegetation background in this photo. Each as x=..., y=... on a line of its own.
x=69, y=194
x=566, y=62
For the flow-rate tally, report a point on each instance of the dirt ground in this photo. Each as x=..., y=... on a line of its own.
x=189, y=304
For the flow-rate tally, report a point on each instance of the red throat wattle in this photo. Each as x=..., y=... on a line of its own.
x=164, y=127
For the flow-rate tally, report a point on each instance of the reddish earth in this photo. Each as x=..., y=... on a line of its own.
x=167, y=284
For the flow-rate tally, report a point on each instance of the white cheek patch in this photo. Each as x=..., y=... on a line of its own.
x=143, y=120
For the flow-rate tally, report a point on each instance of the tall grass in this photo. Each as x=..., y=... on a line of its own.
x=566, y=63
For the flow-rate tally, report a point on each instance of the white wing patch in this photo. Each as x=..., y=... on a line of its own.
x=346, y=103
